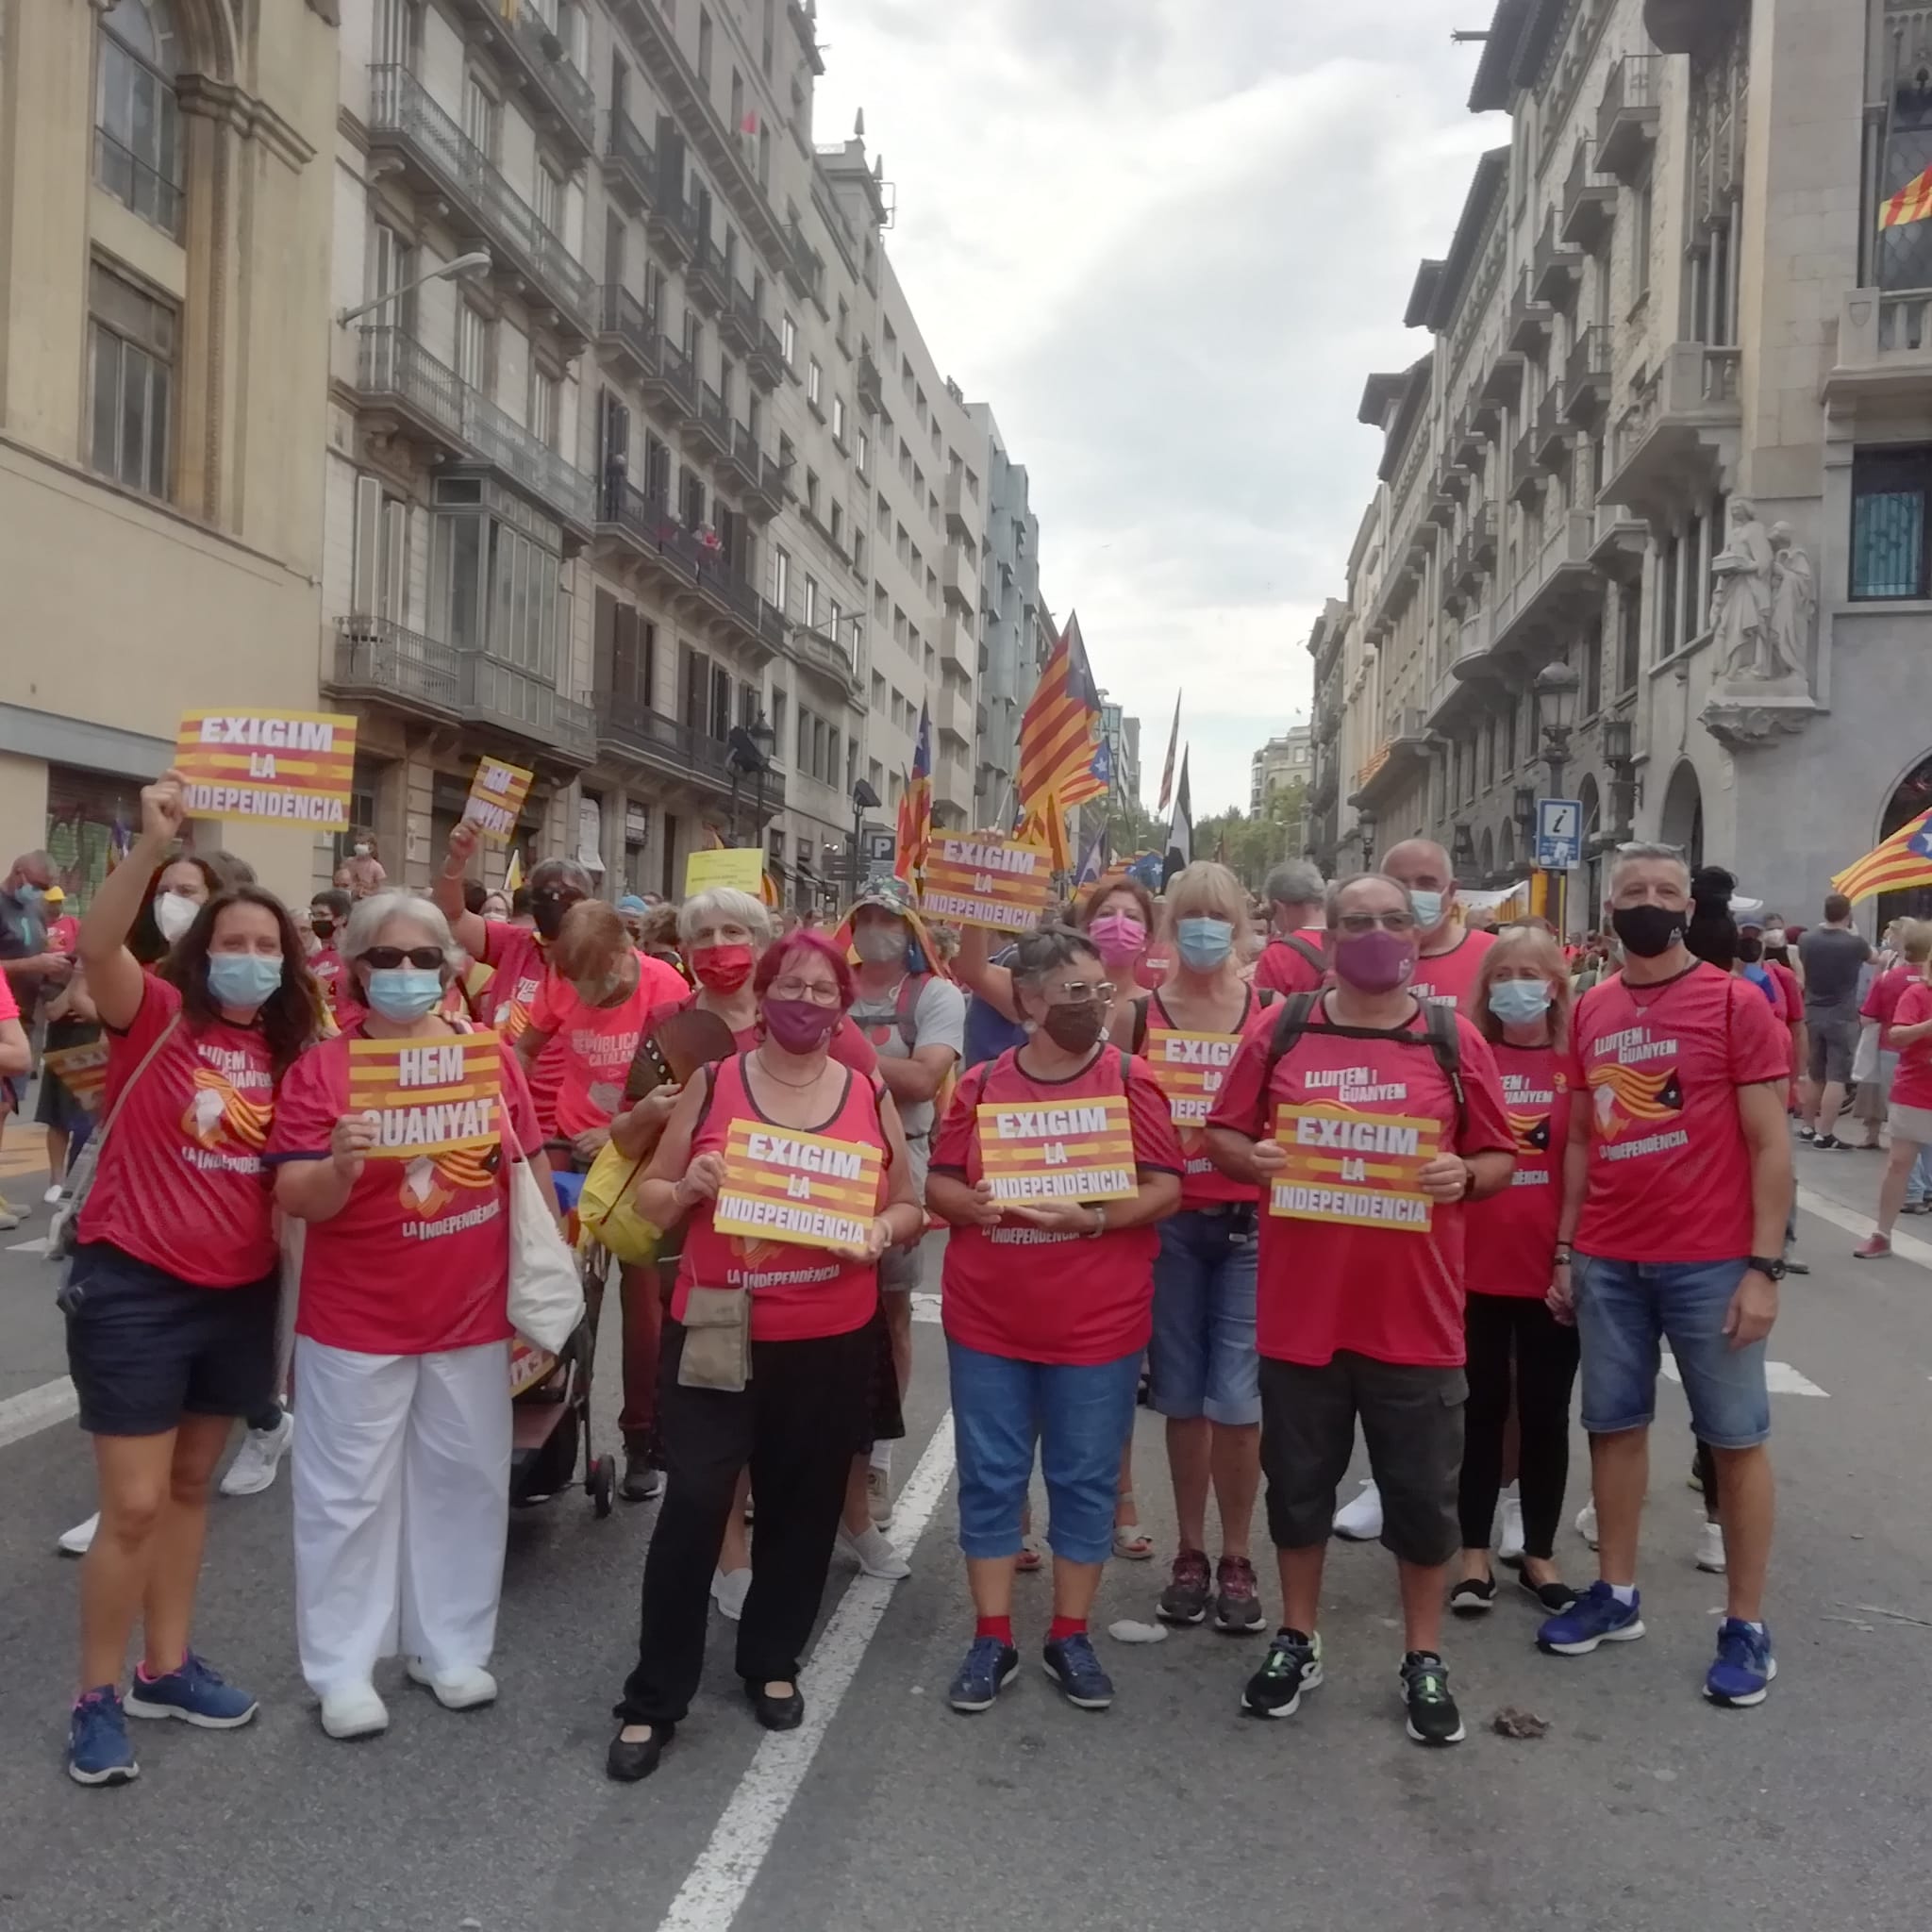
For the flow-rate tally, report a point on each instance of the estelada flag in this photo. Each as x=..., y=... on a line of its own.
x=1912, y=202
x=1059, y=731
x=914, y=829
x=1904, y=861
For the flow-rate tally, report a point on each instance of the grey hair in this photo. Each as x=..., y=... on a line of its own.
x=1333, y=905
x=1640, y=850
x=368, y=917
x=1047, y=946
x=725, y=902
x=1293, y=882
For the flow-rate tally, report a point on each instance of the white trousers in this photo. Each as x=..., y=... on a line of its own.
x=402, y=1508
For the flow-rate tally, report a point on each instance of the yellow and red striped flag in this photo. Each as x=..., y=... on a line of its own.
x=1912, y=202
x=1904, y=861
x=915, y=809
x=1044, y=824
x=1059, y=733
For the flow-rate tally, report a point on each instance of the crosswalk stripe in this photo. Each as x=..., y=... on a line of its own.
x=1779, y=1377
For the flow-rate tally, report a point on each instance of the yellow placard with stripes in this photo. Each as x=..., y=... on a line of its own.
x=278, y=768
x=82, y=1070
x=434, y=1096
x=496, y=796
x=807, y=1190
x=1191, y=1067
x=979, y=878
x=1078, y=1150
x=1355, y=1169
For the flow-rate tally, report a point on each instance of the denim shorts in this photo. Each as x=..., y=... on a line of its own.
x=1624, y=1309
x=1080, y=1415
x=1202, y=1350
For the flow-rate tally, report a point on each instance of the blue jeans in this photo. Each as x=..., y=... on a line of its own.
x=1203, y=1351
x=1919, y=1182
x=1081, y=1417
x=1625, y=1308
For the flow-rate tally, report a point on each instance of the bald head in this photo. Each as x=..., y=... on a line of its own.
x=1423, y=867
x=31, y=869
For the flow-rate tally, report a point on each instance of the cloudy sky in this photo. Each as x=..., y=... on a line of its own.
x=1168, y=239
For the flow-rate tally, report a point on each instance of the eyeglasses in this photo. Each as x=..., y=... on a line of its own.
x=1356, y=923
x=386, y=959
x=1076, y=992
x=820, y=992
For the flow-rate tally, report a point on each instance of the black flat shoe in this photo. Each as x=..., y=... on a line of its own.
x=629, y=1763
x=775, y=1713
x=1554, y=1597
x=1473, y=1596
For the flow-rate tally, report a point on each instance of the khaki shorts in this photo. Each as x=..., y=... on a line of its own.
x=1912, y=1123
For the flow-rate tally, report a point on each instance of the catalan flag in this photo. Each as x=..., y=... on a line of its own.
x=915, y=808
x=1912, y=202
x=1045, y=825
x=1174, y=741
x=1903, y=861
x=1059, y=733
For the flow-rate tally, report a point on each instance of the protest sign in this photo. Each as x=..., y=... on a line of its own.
x=496, y=796
x=740, y=866
x=82, y=1070
x=1357, y=1169
x=434, y=1096
x=979, y=878
x=277, y=768
x=1078, y=1150
x=807, y=1190
x=1191, y=1067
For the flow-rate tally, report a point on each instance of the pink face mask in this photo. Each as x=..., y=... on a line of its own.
x=1119, y=936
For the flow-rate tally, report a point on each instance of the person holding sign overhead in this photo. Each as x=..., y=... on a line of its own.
x=1369, y=1119
x=393, y=1143
x=1053, y=1164
x=792, y=1171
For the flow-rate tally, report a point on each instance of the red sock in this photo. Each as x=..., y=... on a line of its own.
x=1001, y=1627
x=1066, y=1626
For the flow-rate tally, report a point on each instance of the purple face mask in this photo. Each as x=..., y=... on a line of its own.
x=1375, y=961
x=799, y=1025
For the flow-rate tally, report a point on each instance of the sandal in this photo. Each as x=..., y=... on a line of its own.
x=1132, y=1542
x=1031, y=1557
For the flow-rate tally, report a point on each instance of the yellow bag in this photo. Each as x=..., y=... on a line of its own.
x=607, y=1210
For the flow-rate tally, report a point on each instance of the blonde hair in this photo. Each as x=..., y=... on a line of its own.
x=591, y=939
x=1520, y=946
x=1915, y=940
x=1205, y=891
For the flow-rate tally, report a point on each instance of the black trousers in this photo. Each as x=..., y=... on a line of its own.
x=798, y=1423
x=1500, y=1327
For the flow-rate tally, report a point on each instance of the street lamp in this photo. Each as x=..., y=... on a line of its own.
x=864, y=799
x=749, y=756
x=477, y=263
x=1365, y=827
x=1555, y=687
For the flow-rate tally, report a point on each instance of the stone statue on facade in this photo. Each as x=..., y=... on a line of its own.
x=1741, y=603
x=1761, y=615
x=1793, y=604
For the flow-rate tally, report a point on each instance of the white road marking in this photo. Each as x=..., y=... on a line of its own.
x=1905, y=1247
x=715, y=1889
x=1780, y=1378
x=34, y=1247
x=925, y=1306
x=33, y=1409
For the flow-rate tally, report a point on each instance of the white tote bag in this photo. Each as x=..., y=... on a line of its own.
x=546, y=1296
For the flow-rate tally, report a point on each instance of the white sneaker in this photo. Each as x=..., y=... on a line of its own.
x=1360, y=1522
x=878, y=1495
x=258, y=1457
x=54, y=1196
x=729, y=1588
x=462, y=1689
x=9, y=1218
x=872, y=1550
x=354, y=1711
x=1710, y=1548
x=78, y=1541
x=1585, y=1524
x=1510, y=1549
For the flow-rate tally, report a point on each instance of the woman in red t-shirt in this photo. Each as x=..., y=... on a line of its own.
x=794, y=1400
x=171, y=1298
x=1048, y=1305
x=1518, y=1307
x=402, y=1346
x=1910, y=1118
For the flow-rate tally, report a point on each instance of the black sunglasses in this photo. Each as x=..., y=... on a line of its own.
x=386, y=959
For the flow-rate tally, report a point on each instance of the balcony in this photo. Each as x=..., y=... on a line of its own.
x=1678, y=437
x=671, y=220
x=829, y=656
x=671, y=382
x=956, y=645
x=1626, y=117
x=764, y=361
x=630, y=165
x=495, y=691
x=952, y=711
x=1552, y=430
x=483, y=207
x=803, y=266
x=962, y=511
x=1475, y=555
x=1557, y=592
x=1467, y=446
x=1395, y=761
x=1525, y=473
x=706, y=280
x=737, y=321
x=755, y=473
x=527, y=464
x=1589, y=200
x=1530, y=319
x=1884, y=350
x=376, y=661
x=706, y=419
x=1556, y=268
x=627, y=333
x=1503, y=378
x=396, y=376
x=959, y=579
x=631, y=731
x=533, y=57
x=872, y=393
x=1587, y=376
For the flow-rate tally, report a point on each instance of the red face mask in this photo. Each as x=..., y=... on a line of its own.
x=722, y=969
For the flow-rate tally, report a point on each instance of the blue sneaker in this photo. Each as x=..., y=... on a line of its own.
x=1742, y=1675
x=988, y=1670
x=1596, y=1617
x=196, y=1694
x=1072, y=1664
x=98, y=1752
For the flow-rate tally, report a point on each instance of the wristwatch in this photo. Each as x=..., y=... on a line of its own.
x=1772, y=1271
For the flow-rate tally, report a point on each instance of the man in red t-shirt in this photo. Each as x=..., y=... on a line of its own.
x=1677, y=1187
x=1295, y=958
x=1451, y=953
x=1398, y=1119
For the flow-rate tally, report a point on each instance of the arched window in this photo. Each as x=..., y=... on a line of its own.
x=137, y=123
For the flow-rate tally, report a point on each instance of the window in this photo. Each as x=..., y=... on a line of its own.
x=781, y=577
x=1640, y=227
x=1888, y=494
x=550, y=199
x=380, y=565
x=131, y=379
x=704, y=47
x=137, y=126
x=1593, y=670
x=494, y=588
x=780, y=699
x=838, y=419
x=719, y=720
x=838, y=526
x=858, y=551
x=811, y=494
x=546, y=395
x=834, y=617
x=814, y=382
x=1667, y=597
x=789, y=341
x=479, y=116
x=864, y=457
x=1629, y=636
x=472, y=347
x=392, y=266
x=811, y=603
x=394, y=41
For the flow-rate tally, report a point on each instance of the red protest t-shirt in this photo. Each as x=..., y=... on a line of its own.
x=847, y=1045
x=1911, y=1085
x=1449, y=978
x=418, y=1259
x=515, y=956
x=599, y=1042
x=1037, y=1295
x=1281, y=969
x=181, y=1183
x=1881, y=1003
x=797, y=1292
x=1390, y=1292
x=9, y=1007
x=1794, y=994
x=326, y=963
x=1659, y=1068
x=1207, y=1059
x=1509, y=1239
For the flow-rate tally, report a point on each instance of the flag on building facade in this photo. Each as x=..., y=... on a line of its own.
x=1060, y=732
x=915, y=809
x=1904, y=861
x=1173, y=741
x=1180, y=836
x=1912, y=202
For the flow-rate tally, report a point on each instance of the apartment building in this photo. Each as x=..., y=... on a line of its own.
x=1672, y=436
x=1009, y=604
x=162, y=346
x=1289, y=759
x=1322, y=838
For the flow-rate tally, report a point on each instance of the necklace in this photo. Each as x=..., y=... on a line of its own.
x=779, y=1079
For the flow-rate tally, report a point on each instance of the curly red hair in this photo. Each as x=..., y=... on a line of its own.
x=781, y=953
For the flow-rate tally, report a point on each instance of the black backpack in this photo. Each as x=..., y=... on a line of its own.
x=1297, y=945
x=1298, y=1016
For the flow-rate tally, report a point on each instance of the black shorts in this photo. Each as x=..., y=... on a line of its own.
x=145, y=1348
x=1412, y=1423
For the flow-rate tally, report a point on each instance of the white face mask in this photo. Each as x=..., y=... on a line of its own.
x=174, y=912
x=362, y=852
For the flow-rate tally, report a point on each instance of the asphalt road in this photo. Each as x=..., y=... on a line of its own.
x=1642, y=1807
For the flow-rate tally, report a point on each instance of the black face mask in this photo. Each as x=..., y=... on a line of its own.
x=546, y=914
x=322, y=926
x=1074, y=1028
x=1648, y=930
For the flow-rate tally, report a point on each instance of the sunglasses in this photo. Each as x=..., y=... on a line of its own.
x=386, y=959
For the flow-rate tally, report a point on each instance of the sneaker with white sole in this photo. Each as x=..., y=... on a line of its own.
x=354, y=1711
x=1710, y=1548
x=78, y=1541
x=464, y=1688
x=1585, y=1524
x=729, y=1588
x=54, y=1196
x=878, y=1495
x=1360, y=1521
x=1509, y=1546
x=257, y=1459
x=874, y=1553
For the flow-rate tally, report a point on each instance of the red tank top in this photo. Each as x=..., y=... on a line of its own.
x=1206, y=1058
x=797, y=1294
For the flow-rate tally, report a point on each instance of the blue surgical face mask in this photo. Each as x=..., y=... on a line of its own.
x=30, y=896
x=1429, y=908
x=1518, y=1002
x=243, y=979
x=403, y=993
x=1203, y=944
